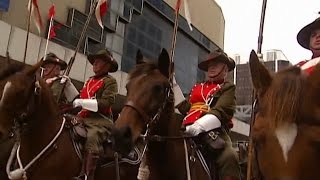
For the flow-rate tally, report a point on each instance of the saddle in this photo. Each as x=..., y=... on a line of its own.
x=78, y=134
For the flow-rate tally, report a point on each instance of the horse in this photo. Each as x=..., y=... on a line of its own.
x=286, y=130
x=28, y=107
x=7, y=140
x=149, y=109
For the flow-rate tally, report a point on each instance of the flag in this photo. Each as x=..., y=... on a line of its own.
x=187, y=13
x=52, y=31
x=178, y=5
x=52, y=12
x=4, y=5
x=35, y=14
x=101, y=10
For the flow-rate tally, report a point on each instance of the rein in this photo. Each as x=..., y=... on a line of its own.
x=21, y=171
x=19, y=121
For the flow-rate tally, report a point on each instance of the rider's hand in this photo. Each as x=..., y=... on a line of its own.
x=194, y=129
x=64, y=79
x=77, y=103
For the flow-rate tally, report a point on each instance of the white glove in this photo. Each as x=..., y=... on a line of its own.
x=194, y=129
x=203, y=124
x=64, y=79
x=77, y=103
x=88, y=104
x=70, y=91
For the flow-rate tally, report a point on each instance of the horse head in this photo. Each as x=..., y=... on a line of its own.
x=20, y=92
x=286, y=128
x=148, y=91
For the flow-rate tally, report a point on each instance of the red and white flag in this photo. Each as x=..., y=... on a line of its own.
x=35, y=14
x=52, y=12
x=178, y=5
x=186, y=11
x=101, y=10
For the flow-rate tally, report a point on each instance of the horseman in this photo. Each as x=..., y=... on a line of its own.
x=210, y=107
x=51, y=67
x=96, y=98
x=309, y=38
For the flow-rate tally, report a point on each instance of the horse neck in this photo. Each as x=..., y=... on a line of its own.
x=160, y=154
x=42, y=126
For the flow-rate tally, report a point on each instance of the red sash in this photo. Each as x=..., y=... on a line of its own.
x=89, y=92
x=199, y=98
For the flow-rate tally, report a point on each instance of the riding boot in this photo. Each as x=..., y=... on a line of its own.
x=91, y=163
x=88, y=167
x=230, y=178
x=82, y=175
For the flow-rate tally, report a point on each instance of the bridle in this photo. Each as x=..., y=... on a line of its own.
x=19, y=121
x=150, y=120
x=255, y=110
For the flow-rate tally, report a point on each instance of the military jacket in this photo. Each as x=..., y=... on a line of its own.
x=104, y=89
x=219, y=98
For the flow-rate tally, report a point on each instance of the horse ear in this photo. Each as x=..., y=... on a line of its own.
x=164, y=62
x=261, y=78
x=139, y=57
x=33, y=70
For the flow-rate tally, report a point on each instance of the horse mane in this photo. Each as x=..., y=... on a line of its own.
x=284, y=96
x=11, y=69
x=144, y=68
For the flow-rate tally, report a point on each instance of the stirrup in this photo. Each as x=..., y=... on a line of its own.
x=81, y=177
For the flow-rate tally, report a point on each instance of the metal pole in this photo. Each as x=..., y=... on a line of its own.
x=48, y=36
x=70, y=63
x=28, y=30
x=260, y=40
x=173, y=44
x=84, y=30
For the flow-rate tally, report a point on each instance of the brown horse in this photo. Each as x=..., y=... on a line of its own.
x=150, y=108
x=27, y=105
x=286, y=131
x=7, y=140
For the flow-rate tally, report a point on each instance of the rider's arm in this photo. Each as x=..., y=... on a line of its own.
x=225, y=104
x=108, y=95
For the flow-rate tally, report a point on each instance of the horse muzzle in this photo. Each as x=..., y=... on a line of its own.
x=121, y=139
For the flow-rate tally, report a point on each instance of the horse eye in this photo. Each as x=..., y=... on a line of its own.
x=157, y=88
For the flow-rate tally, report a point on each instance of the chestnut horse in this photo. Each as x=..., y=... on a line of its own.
x=27, y=105
x=286, y=131
x=6, y=140
x=150, y=108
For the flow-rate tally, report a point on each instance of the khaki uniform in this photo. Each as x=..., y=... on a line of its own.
x=223, y=107
x=69, y=91
x=98, y=124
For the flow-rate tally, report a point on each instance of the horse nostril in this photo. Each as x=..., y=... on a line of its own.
x=121, y=140
x=127, y=132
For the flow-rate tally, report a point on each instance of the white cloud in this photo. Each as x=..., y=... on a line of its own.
x=284, y=19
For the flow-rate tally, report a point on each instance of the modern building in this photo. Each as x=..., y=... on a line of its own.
x=128, y=26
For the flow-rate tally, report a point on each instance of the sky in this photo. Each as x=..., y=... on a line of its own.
x=283, y=21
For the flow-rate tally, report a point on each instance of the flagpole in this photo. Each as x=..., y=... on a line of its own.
x=252, y=118
x=47, y=41
x=84, y=30
x=260, y=38
x=28, y=30
x=174, y=41
x=70, y=63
